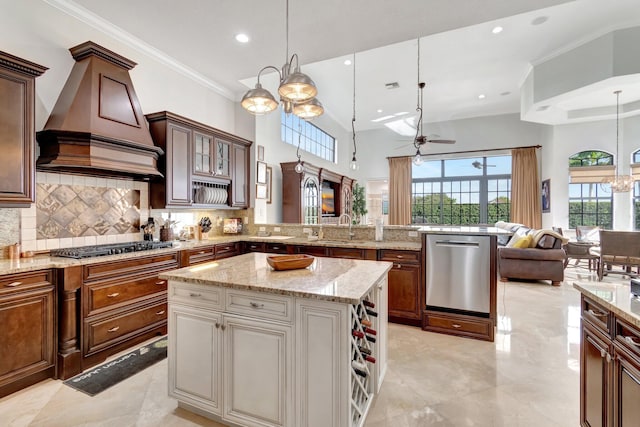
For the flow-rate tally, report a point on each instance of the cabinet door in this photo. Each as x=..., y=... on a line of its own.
x=240, y=171
x=258, y=373
x=17, y=175
x=222, y=158
x=203, y=154
x=27, y=335
x=178, y=179
x=404, y=291
x=595, y=376
x=194, y=357
x=626, y=389
x=310, y=201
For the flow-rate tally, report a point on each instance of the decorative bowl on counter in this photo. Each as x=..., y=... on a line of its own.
x=289, y=262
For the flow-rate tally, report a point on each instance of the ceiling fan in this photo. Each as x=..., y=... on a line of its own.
x=478, y=165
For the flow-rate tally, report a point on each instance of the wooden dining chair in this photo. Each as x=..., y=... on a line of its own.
x=618, y=248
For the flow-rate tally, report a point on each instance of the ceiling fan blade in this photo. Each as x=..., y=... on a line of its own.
x=441, y=141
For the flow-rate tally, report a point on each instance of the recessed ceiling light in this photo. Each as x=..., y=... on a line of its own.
x=481, y=96
x=242, y=38
x=540, y=20
x=347, y=62
x=497, y=30
x=379, y=111
x=505, y=93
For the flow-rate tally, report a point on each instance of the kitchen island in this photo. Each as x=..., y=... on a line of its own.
x=256, y=347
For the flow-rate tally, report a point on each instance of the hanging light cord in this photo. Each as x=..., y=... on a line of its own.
x=353, y=120
x=418, y=104
x=299, y=135
x=617, y=127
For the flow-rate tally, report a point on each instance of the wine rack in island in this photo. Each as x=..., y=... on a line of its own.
x=364, y=375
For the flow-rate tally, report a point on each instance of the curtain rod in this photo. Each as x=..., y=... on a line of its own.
x=469, y=151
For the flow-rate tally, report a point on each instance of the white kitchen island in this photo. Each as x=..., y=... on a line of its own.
x=251, y=346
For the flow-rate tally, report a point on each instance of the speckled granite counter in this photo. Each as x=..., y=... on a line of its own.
x=467, y=231
x=615, y=297
x=331, y=279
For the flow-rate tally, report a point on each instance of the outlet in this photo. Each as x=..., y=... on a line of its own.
x=306, y=230
x=276, y=229
x=413, y=234
x=262, y=229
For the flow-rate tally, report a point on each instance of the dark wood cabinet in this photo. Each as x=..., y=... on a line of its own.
x=123, y=303
x=200, y=167
x=28, y=334
x=253, y=247
x=17, y=130
x=226, y=250
x=351, y=253
x=197, y=255
x=626, y=388
x=405, y=300
x=310, y=250
x=595, y=374
x=276, y=248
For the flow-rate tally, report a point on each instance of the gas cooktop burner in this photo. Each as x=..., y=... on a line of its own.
x=109, y=249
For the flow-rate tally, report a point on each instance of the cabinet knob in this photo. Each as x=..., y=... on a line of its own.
x=113, y=295
x=115, y=328
x=256, y=305
x=194, y=295
x=223, y=327
x=217, y=325
x=608, y=357
x=161, y=282
x=398, y=265
x=13, y=284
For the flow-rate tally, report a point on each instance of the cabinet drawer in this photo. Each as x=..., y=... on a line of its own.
x=628, y=336
x=13, y=283
x=131, y=266
x=254, y=247
x=103, y=332
x=352, y=253
x=597, y=315
x=200, y=255
x=276, y=248
x=226, y=250
x=458, y=324
x=107, y=295
x=396, y=256
x=276, y=307
x=203, y=296
x=311, y=250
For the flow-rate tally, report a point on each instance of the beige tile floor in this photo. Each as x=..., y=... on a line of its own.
x=528, y=377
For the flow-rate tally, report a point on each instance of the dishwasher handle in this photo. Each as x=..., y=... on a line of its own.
x=457, y=244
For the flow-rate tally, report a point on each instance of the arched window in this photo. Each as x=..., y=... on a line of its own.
x=590, y=200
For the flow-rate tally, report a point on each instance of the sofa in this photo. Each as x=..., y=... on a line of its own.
x=531, y=254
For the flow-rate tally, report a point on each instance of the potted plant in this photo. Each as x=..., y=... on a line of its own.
x=359, y=205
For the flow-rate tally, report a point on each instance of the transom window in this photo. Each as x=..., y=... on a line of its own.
x=462, y=191
x=591, y=203
x=312, y=139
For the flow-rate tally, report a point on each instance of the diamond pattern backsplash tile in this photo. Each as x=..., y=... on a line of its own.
x=76, y=210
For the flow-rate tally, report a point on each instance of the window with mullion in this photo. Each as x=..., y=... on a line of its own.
x=591, y=204
x=312, y=139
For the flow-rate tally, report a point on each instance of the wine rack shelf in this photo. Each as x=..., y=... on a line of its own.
x=363, y=357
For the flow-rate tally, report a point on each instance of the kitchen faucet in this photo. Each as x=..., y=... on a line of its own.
x=350, y=222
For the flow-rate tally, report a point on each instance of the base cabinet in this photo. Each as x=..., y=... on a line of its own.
x=595, y=372
x=626, y=388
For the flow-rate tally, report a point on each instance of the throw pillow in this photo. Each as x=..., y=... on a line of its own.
x=524, y=242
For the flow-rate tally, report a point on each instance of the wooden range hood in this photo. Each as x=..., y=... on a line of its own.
x=97, y=127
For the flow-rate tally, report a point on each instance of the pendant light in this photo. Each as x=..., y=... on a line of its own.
x=417, y=159
x=354, y=163
x=297, y=91
x=619, y=183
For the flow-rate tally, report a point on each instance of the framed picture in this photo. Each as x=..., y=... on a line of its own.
x=269, y=174
x=546, y=196
x=261, y=191
x=261, y=175
x=261, y=153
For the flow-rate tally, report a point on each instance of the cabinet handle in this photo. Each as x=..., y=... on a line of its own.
x=275, y=248
x=608, y=357
x=115, y=328
x=13, y=284
x=217, y=325
x=201, y=252
x=160, y=313
x=223, y=327
x=593, y=313
x=256, y=305
x=161, y=282
x=113, y=295
x=455, y=325
x=193, y=295
x=632, y=341
x=398, y=266
x=399, y=256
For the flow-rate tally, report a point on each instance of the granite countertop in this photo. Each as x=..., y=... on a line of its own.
x=331, y=279
x=43, y=262
x=615, y=297
x=467, y=231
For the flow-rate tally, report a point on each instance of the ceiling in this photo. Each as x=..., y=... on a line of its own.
x=460, y=56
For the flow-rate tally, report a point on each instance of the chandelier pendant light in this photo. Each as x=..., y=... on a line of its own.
x=354, y=163
x=619, y=183
x=297, y=91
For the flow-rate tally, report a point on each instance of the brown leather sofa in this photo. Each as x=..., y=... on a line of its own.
x=545, y=261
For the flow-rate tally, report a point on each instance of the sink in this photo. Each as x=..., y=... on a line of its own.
x=272, y=237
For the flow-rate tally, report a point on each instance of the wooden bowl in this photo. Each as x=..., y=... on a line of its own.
x=289, y=262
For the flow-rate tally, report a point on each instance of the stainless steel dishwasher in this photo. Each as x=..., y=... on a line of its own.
x=458, y=269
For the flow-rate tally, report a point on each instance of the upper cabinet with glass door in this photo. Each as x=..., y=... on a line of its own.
x=211, y=157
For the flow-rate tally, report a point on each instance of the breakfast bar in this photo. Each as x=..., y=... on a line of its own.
x=253, y=346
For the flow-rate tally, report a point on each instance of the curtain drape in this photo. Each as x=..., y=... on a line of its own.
x=400, y=191
x=526, y=205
